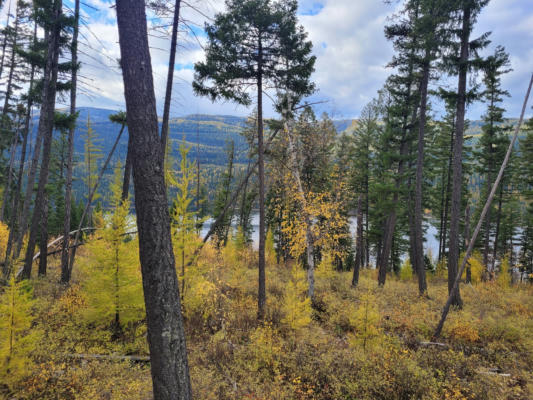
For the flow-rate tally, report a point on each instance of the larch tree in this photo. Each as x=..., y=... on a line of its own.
x=166, y=336
x=255, y=43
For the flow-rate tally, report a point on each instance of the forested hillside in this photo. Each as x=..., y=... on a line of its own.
x=279, y=253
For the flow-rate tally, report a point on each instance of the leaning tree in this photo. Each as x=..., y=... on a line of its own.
x=256, y=43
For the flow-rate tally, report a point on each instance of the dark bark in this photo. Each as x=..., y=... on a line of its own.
x=87, y=208
x=65, y=274
x=359, y=251
x=261, y=295
x=170, y=76
x=166, y=337
x=7, y=189
x=9, y=83
x=15, y=215
x=418, y=264
x=497, y=233
x=43, y=244
x=4, y=44
x=46, y=125
x=127, y=173
x=30, y=183
x=447, y=199
x=470, y=247
x=467, y=238
x=457, y=163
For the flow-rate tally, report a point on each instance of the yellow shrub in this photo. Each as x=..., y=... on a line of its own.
x=366, y=321
x=17, y=338
x=297, y=306
x=4, y=235
x=464, y=331
x=406, y=272
x=476, y=267
x=504, y=277
x=266, y=347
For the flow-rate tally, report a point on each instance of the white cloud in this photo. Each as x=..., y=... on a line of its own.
x=349, y=43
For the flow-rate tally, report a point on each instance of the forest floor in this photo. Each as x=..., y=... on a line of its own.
x=363, y=343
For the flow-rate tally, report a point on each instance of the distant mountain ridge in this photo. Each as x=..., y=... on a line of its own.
x=207, y=135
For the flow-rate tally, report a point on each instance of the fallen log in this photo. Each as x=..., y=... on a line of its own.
x=109, y=357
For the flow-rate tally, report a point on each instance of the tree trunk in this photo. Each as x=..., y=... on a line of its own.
x=5, y=198
x=170, y=76
x=418, y=265
x=4, y=44
x=65, y=268
x=87, y=208
x=12, y=64
x=127, y=173
x=359, y=251
x=15, y=216
x=261, y=298
x=46, y=126
x=467, y=238
x=497, y=233
x=43, y=244
x=457, y=163
x=31, y=178
x=470, y=247
x=166, y=336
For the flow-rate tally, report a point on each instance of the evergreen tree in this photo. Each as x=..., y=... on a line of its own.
x=256, y=42
x=462, y=59
x=493, y=143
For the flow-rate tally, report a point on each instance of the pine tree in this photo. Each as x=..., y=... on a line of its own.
x=221, y=198
x=256, y=42
x=494, y=141
x=463, y=58
x=166, y=336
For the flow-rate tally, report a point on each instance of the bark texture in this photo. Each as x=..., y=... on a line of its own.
x=166, y=337
x=457, y=160
x=45, y=130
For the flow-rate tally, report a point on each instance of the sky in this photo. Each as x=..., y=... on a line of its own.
x=348, y=41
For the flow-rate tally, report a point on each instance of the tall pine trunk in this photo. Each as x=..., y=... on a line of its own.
x=261, y=296
x=46, y=127
x=359, y=251
x=15, y=215
x=65, y=269
x=166, y=336
x=457, y=163
x=418, y=264
x=170, y=76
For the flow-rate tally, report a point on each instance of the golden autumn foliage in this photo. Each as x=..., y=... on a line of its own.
x=351, y=343
x=17, y=337
x=296, y=305
x=112, y=283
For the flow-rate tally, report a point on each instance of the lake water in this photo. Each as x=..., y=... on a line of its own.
x=431, y=242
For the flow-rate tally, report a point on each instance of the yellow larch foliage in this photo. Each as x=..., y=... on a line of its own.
x=296, y=305
x=4, y=236
x=113, y=283
x=504, y=277
x=476, y=267
x=17, y=337
x=366, y=321
x=406, y=272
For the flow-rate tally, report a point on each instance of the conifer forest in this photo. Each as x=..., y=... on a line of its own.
x=266, y=199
